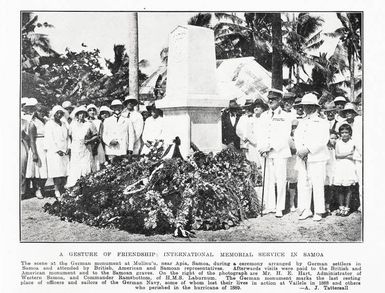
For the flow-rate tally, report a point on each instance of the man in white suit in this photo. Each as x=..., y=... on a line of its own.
x=311, y=138
x=274, y=146
x=118, y=134
x=137, y=121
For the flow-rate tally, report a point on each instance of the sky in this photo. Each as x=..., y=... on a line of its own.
x=103, y=30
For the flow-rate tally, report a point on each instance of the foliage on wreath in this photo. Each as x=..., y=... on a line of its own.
x=151, y=195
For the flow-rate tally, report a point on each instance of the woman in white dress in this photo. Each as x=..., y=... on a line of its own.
x=98, y=154
x=152, y=131
x=37, y=164
x=82, y=134
x=56, y=144
x=255, y=130
x=24, y=147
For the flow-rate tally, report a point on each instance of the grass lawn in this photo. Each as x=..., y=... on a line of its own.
x=38, y=226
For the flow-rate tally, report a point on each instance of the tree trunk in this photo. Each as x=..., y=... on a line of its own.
x=297, y=75
x=133, y=78
x=291, y=75
x=352, y=83
x=276, y=71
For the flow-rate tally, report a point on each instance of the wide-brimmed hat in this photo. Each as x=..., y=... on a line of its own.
x=329, y=107
x=56, y=109
x=67, y=104
x=92, y=106
x=349, y=107
x=105, y=109
x=31, y=102
x=130, y=99
x=260, y=103
x=309, y=99
x=274, y=93
x=340, y=99
x=116, y=103
x=78, y=110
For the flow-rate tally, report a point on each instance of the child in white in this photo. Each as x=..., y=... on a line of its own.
x=345, y=171
x=330, y=170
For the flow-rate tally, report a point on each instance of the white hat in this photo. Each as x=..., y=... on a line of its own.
x=92, y=106
x=66, y=104
x=349, y=107
x=24, y=100
x=116, y=102
x=272, y=90
x=105, y=109
x=79, y=109
x=56, y=109
x=130, y=98
x=340, y=99
x=309, y=99
x=31, y=102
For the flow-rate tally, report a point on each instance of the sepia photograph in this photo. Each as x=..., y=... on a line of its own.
x=201, y=126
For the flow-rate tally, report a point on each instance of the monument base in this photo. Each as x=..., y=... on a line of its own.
x=193, y=124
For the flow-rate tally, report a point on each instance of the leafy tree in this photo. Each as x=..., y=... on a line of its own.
x=75, y=76
x=302, y=35
x=117, y=86
x=350, y=36
x=236, y=37
x=201, y=19
x=323, y=76
x=36, y=47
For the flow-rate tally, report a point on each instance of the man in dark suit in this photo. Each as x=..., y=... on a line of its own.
x=230, y=118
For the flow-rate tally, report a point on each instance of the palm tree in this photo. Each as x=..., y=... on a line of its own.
x=276, y=71
x=133, y=55
x=302, y=35
x=237, y=37
x=34, y=45
x=350, y=36
x=201, y=19
x=324, y=75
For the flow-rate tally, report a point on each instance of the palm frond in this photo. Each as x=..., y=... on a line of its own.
x=201, y=19
x=229, y=26
x=229, y=16
x=315, y=45
x=344, y=20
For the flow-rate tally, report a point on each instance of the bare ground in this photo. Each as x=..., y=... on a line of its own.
x=38, y=226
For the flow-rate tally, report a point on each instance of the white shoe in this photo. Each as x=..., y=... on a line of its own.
x=306, y=214
x=38, y=194
x=293, y=209
x=278, y=214
x=317, y=218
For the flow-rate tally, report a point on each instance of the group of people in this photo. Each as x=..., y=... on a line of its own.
x=304, y=149
x=72, y=142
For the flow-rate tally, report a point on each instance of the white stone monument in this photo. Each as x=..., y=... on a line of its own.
x=192, y=104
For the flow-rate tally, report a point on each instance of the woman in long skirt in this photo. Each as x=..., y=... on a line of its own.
x=24, y=153
x=56, y=135
x=37, y=163
x=82, y=135
x=98, y=155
